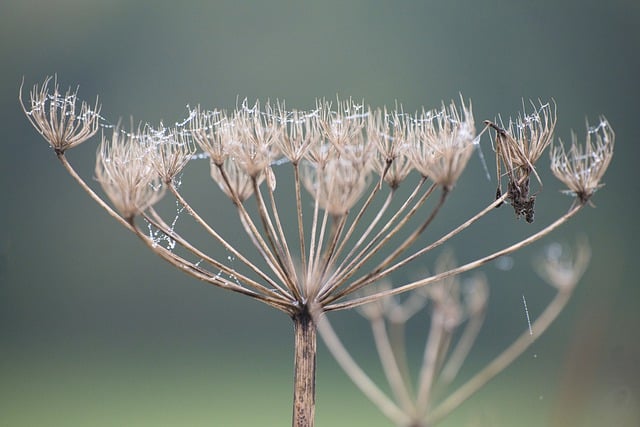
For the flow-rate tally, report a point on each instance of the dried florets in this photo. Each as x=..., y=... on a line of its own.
x=126, y=173
x=57, y=117
x=441, y=143
x=518, y=148
x=582, y=167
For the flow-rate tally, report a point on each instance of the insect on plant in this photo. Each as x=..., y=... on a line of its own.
x=517, y=149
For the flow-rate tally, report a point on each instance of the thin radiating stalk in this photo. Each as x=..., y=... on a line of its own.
x=92, y=193
x=406, y=244
x=358, y=376
x=303, y=250
x=223, y=242
x=368, y=230
x=390, y=364
x=252, y=231
x=356, y=220
x=357, y=284
x=440, y=241
x=461, y=350
x=344, y=272
x=430, y=362
x=337, y=226
x=375, y=244
x=206, y=276
x=295, y=284
x=314, y=231
x=160, y=224
x=461, y=269
x=282, y=255
x=498, y=364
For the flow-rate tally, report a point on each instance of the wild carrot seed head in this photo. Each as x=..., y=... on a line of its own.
x=58, y=118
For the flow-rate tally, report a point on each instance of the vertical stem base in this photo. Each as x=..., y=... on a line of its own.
x=304, y=391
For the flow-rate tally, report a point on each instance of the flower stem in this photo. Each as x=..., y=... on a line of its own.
x=304, y=386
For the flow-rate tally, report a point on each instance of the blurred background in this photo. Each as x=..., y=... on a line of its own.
x=97, y=331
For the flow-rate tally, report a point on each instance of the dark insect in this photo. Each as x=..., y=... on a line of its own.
x=518, y=170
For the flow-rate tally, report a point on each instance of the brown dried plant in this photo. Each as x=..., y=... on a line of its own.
x=456, y=312
x=346, y=225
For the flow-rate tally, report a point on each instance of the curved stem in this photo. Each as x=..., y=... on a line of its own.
x=380, y=273
x=159, y=223
x=503, y=360
x=206, y=276
x=343, y=273
x=92, y=193
x=222, y=241
x=357, y=284
x=303, y=250
x=461, y=269
x=283, y=258
x=357, y=375
x=390, y=364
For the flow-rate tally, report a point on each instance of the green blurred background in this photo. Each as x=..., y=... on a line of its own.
x=97, y=331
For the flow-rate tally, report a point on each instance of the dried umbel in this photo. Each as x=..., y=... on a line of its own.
x=58, y=118
x=456, y=311
x=375, y=180
x=441, y=143
x=125, y=170
x=518, y=148
x=582, y=167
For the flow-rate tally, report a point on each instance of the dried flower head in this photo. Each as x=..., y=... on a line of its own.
x=337, y=185
x=301, y=131
x=581, y=168
x=518, y=148
x=169, y=150
x=441, y=143
x=252, y=138
x=234, y=181
x=389, y=132
x=57, y=117
x=126, y=173
x=210, y=130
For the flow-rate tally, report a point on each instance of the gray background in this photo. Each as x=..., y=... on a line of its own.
x=95, y=330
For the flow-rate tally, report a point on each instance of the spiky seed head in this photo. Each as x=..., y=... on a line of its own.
x=170, y=150
x=441, y=143
x=234, y=181
x=210, y=130
x=582, y=167
x=58, y=118
x=126, y=173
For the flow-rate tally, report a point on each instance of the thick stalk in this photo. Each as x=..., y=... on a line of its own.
x=304, y=384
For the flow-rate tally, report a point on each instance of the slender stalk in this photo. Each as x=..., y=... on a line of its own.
x=441, y=240
x=295, y=283
x=343, y=273
x=159, y=223
x=304, y=382
x=390, y=364
x=503, y=360
x=357, y=284
x=358, y=376
x=206, y=276
x=221, y=240
x=252, y=231
x=269, y=230
x=92, y=193
x=461, y=350
x=303, y=250
x=463, y=268
x=430, y=362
